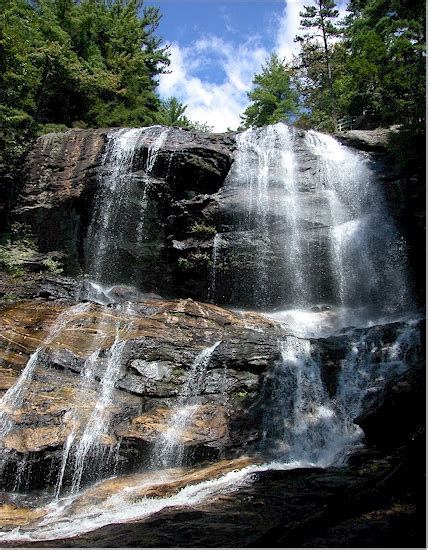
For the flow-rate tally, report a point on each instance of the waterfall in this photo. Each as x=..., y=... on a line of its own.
x=169, y=449
x=84, y=449
x=217, y=244
x=302, y=423
x=312, y=217
x=366, y=260
x=315, y=240
x=265, y=173
x=14, y=397
x=114, y=208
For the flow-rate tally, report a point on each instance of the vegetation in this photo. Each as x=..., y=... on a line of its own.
x=18, y=252
x=171, y=113
x=195, y=260
x=89, y=63
x=202, y=230
x=316, y=58
x=273, y=98
x=93, y=63
x=368, y=70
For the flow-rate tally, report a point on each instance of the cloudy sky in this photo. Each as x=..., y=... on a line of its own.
x=217, y=47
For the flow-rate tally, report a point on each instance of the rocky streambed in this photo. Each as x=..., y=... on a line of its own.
x=261, y=502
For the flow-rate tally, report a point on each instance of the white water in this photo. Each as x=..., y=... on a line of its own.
x=367, y=262
x=302, y=422
x=84, y=450
x=169, y=449
x=306, y=427
x=216, y=254
x=14, y=397
x=152, y=155
x=111, y=206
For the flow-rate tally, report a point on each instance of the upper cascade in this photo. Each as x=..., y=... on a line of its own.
x=272, y=218
x=311, y=216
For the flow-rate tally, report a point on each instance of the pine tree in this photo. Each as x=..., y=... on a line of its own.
x=319, y=19
x=273, y=98
x=171, y=113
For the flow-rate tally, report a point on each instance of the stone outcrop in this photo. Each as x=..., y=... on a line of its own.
x=163, y=340
x=189, y=198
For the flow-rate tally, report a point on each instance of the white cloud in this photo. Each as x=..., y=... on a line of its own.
x=288, y=28
x=220, y=103
x=217, y=103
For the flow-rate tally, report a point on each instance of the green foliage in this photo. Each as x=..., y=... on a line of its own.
x=195, y=260
x=14, y=255
x=385, y=42
x=54, y=266
x=372, y=71
x=201, y=126
x=316, y=62
x=18, y=249
x=10, y=297
x=72, y=63
x=273, y=98
x=242, y=395
x=203, y=230
x=171, y=113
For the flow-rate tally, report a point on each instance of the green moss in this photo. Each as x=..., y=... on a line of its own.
x=202, y=230
x=242, y=394
x=14, y=255
x=10, y=297
x=195, y=260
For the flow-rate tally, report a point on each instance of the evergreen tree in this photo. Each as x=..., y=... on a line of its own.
x=171, y=113
x=273, y=98
x=76, y=63
x=386, y=41
x=316, y=56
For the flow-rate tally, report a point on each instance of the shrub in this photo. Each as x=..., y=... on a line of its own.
x=54, y=266
x=203, y=230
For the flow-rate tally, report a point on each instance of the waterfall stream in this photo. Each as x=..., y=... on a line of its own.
x=169, y=449
x=305, y=422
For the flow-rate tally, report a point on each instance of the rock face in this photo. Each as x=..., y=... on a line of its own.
x=112, y=379
x=163, y=340
x=201, y=222
x=61, y=181
x=159, y=369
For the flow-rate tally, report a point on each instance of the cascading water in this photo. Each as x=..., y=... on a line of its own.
x=84, y=451
x=302, y=423
x=366, y=257
x=313, y=216
x=317, y=230
x=114, y=208
x=216, y=254
x=264, y=172
x=169, y=449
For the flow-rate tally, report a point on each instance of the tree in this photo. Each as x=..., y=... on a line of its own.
x=273, y=98
x=385, y=42
x=171, y=113
x=319, y=20
x=76, y=63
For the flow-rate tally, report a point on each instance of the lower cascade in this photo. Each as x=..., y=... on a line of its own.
x=123, y=405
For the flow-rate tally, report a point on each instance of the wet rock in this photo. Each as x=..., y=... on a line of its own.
x=162, y=342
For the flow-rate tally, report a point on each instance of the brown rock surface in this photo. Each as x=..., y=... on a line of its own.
x=163, y=339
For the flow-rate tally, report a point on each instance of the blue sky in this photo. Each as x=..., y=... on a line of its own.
x=217, y=47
